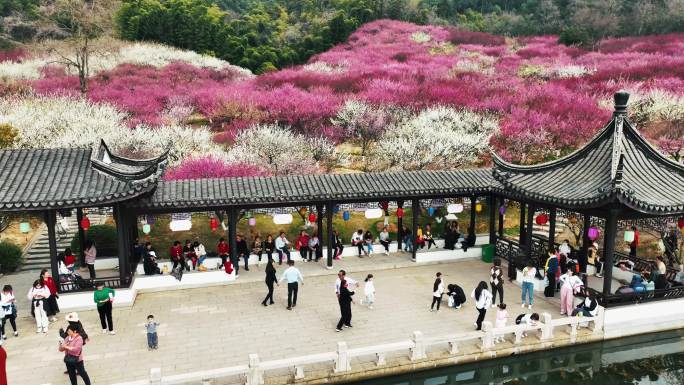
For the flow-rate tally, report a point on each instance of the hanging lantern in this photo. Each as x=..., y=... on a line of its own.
x=680, y=223
x=24, y=227
x=384, y=205
x=146, y=228
x=593, y=233
x=373, y=213
x=248, y=214
x=542, y=219
x=302, y=211
x=431, y=211
x=282, y=219
x=336, y=209
x=345, y=215
x=478, y=207
x=312, y=217
x=213, y=223
x=629, y=236
x=85, y=223
x=149, y=219
x=400, y=212
x=252, y=221
x=502, y=210
x=455, y=208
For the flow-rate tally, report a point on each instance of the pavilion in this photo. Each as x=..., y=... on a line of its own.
x=616, y=176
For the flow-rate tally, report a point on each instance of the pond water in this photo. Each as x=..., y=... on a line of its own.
x=648, y=359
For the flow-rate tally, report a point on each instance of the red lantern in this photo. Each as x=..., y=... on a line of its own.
x=542, y=219
x=400, y=212
x=213, y=224
x=312, y=217
x=680, y=223
x=85, y=223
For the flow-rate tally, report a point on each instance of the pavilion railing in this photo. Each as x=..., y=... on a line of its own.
x=81, y=285
x=614, y=300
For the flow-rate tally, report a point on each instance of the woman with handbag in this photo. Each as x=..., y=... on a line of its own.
x=72, y=346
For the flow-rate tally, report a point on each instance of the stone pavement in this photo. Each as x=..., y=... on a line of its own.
x=219, y=326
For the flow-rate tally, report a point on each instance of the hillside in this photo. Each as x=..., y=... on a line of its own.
x=394, y=96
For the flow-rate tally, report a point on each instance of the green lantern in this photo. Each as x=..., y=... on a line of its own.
x=24, y=227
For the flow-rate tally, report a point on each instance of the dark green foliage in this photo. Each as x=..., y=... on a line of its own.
x=104, y=236
x=575, y=36
x=10, y=257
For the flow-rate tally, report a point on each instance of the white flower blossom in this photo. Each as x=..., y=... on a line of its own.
x=53, y=122
x=421, y=37
x=438, y=137
x=324, y=68
x=279, y=150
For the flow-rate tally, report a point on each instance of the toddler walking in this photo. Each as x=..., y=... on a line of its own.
x=369, y=291
x=501, y=318
x=151, y=327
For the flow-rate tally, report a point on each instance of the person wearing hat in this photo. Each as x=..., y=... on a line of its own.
x=103, y=297
x=74, y=322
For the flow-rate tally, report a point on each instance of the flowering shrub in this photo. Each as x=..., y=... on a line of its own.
x=280, y=151
x=12, y=55
x=52, y=122
x=211, y=167
x=438, y=137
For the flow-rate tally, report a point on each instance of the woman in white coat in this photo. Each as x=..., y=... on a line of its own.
x=37, y=295
x=483, y=300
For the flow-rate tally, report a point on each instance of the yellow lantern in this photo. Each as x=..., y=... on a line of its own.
x=478, y=207
x=302, y=211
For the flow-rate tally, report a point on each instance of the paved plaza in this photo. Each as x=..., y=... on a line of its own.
x=219, y=326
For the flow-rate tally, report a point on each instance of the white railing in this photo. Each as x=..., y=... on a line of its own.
x=415, y=349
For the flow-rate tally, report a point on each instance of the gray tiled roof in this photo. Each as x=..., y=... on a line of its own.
x=617, y=166
x=315, y=188
x=36, y=179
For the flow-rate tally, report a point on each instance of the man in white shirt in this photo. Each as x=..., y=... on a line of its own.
x=282, y=246
x=357, y=241
x=293, y=277
x=351, y=283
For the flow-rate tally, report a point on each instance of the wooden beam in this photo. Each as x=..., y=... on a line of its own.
x=492, y=219
x=232, y=231
x=331, y=236
x=400, y=226
x=81, y=237
x=473, y=203
x=122, y=250
x=609, y=252
x=319, y=228
x=415, y=213
x=501, y=202
x=528, y=231
x=552, y=227
x=51, y=222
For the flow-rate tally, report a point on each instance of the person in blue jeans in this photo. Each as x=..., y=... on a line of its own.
x=152, y=338
x=528, y=276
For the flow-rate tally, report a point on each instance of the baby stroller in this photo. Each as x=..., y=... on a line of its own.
x=456, y=296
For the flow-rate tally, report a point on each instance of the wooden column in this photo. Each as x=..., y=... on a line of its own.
x=471, y=228
x=586, y=242
x=331, y=236
x=122, y=249
x=552, y=227
x=51, y=222
x=501, y=202
x=400, y=227
x=492, y=219
x=415, y=213
x=81, y=237
x=232, y=231
x=609, y=251
x=319, y=227
x=521, y=236
x=528, y=231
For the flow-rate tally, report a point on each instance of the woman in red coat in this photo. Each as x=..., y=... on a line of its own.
x=3, y=365
x=52, y=307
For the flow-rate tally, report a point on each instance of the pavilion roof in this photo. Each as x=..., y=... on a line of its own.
x=617, y=167
x=37, y=179
x=312, y=189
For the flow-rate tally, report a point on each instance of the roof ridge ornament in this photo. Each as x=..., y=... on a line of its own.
x=620, y=99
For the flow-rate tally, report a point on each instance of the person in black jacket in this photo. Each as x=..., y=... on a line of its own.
x=339, y=245
x=345, y=300
x=269, y=246
x=242, y=251
x=270, y=280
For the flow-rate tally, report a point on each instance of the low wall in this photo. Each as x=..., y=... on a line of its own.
x=644, y=318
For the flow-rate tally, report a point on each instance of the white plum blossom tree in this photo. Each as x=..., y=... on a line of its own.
x=52, y=122
x=363, y=123
x=438, y=137
x=281, y=151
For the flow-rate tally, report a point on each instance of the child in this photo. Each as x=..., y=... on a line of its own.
x=151, y=327
x=527, y=319
x=501, y=317
x=9, y=309
x=369, y=291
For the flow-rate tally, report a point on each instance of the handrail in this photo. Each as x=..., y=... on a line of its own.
x=416, y=349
